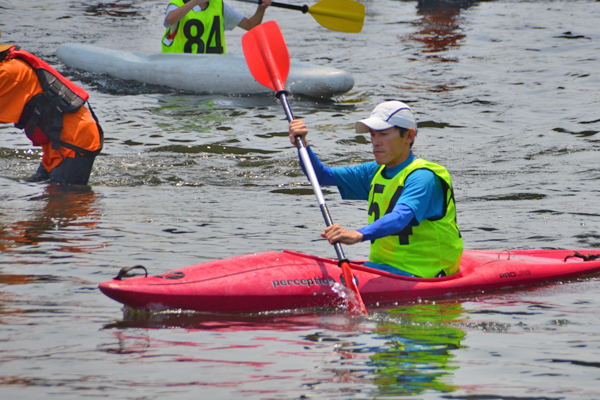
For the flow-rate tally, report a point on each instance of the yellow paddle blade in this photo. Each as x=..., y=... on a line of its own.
x=339, y=15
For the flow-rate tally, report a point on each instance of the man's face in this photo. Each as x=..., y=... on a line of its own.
x=389, y=147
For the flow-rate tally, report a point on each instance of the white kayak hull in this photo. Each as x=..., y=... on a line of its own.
x=201, y=73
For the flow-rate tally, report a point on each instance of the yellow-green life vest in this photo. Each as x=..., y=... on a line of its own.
x=197, y=32
x=423, y=250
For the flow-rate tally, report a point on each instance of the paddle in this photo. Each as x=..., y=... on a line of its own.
x=337, y=15
x=269, y=62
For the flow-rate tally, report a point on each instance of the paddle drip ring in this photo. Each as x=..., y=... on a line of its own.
x=343, y=280
x=278, y=94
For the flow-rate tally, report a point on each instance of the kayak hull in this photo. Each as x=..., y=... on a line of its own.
x=201, y=73
x=288, y=280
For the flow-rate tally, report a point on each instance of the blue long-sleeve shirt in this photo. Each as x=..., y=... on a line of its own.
x=422, y=197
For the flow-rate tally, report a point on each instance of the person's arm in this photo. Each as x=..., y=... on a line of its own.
x=323, y=173
x=256, y=19
x=176, y=15
x=389, y=224
x=422, y=198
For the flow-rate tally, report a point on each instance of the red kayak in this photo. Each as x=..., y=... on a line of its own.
x=290, y=280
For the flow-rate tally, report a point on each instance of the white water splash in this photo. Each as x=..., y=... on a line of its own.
x=347, y=295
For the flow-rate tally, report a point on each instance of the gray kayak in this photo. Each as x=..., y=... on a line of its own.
x=201, y=73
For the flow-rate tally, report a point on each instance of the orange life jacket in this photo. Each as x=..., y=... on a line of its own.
x=42, y=116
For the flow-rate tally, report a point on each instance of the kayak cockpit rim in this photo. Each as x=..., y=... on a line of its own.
x=358, y=266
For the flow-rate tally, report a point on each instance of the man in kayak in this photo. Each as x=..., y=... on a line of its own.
x=412, y=216
x=197, y=26
x=50, y=108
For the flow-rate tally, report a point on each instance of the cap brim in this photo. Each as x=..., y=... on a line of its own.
x=4, y=47
x=364, y=125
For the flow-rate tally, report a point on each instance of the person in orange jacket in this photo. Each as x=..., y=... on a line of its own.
x=50, y=108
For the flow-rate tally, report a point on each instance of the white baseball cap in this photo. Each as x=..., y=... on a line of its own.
x=386, y=115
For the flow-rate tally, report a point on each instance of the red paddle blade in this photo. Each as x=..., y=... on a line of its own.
x=359, y=307
x=267, y=55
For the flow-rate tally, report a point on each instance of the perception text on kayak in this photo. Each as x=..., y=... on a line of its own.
x=304, y=282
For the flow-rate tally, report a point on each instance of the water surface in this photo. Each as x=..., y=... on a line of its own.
x=506, y=94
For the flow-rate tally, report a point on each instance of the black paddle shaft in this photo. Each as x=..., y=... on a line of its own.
x=282, y=95
x=303, y=8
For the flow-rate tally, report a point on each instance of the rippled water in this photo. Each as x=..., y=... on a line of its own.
x=506, y=93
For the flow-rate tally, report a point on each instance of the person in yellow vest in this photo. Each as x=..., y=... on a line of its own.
x=197, y=26
x=412, y=217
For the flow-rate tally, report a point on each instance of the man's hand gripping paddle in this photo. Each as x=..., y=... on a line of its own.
x=337, y=15
x=269, y=62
